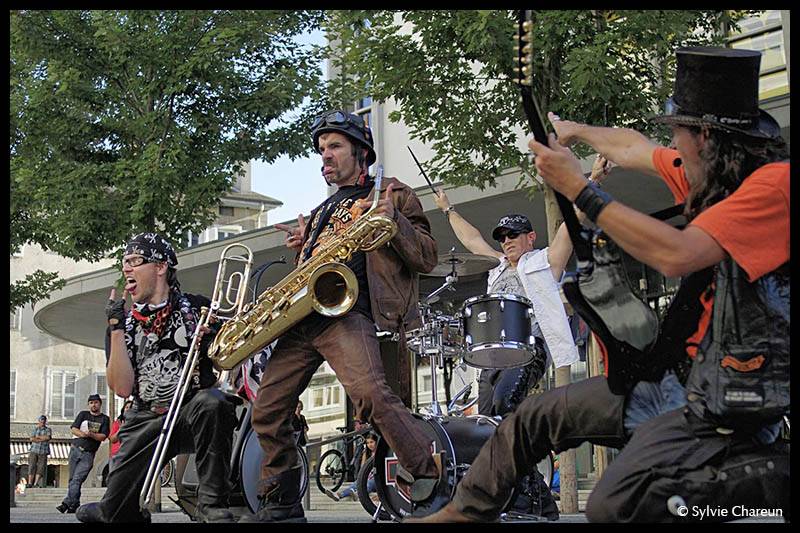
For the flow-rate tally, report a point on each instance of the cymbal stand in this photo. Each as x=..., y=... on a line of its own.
x=437, y=358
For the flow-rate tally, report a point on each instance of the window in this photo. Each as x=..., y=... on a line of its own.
x=225, y=211
x=192, y=239
x=16, y=320
x=427, y=382
x=326, y=396
x=13, y=403
x=62, y=394
x=101, y=388
x=765, y=33
x=223, y=232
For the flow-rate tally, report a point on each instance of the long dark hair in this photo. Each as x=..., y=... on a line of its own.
x=122, y=411
x=727, y=160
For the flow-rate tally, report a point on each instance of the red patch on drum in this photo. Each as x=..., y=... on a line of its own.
x=390, y=470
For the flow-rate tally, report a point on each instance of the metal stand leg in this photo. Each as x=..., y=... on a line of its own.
x=436, y=360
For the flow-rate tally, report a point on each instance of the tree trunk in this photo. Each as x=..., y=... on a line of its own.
x=569, y=478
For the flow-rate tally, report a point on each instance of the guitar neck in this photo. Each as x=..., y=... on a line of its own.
x=537, y=125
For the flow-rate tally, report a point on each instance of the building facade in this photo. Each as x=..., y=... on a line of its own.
x=53, y=376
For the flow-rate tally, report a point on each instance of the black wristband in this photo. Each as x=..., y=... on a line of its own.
x=592, y=200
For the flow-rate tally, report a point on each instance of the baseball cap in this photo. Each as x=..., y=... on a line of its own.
x=519, y=223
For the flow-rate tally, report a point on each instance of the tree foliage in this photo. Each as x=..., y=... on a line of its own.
x=129, y=121
x=450, y=73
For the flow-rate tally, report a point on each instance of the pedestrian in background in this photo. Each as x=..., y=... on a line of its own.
x=40, y=449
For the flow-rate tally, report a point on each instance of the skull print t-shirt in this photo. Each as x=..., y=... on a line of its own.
x=158, y=348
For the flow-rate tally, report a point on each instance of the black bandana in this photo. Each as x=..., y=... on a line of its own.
x=153, y=247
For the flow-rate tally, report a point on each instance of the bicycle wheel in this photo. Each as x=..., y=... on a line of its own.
x=363, y=494
x=331, y=471
x=167, y=472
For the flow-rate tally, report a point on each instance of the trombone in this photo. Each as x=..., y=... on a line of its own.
x=236, y=284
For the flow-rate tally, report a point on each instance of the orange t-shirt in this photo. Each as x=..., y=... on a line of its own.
x=751, y=225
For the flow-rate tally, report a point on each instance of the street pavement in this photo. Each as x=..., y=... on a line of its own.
x=39, y=515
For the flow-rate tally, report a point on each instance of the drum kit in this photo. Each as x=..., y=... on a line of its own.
x=489, y=331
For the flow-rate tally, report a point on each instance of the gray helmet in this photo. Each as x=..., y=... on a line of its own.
x=346, y=123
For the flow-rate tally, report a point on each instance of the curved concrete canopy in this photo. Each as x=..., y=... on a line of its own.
x=76, y=312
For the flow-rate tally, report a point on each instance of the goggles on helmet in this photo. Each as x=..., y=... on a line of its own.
x=337, y=118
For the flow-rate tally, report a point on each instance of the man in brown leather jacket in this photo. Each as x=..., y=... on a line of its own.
x=388, y=280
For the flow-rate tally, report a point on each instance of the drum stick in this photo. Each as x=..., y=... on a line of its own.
x=423, y=171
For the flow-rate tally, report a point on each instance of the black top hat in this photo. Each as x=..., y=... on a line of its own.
x=718, y=87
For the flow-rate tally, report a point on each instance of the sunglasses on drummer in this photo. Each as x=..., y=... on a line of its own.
x=510, y=235
x=337, y=118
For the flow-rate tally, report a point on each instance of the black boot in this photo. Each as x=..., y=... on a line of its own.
x=281, y=503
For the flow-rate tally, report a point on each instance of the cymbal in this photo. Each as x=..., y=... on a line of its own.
x=465, y=265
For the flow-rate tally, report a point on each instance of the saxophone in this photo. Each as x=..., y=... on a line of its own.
x=323, y=284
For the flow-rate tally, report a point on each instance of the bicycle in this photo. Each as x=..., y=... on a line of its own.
x=334, y=466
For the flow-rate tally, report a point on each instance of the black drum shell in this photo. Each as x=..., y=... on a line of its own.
x=497, y=331
x=461, y=438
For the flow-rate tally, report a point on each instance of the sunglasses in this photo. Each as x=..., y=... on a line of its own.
x=135, y=261
x=337, y=118
x=509, y=235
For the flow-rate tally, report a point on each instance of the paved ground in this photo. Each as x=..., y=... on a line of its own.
x=37, y=515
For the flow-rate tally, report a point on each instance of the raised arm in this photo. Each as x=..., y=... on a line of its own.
x=625, y=147
x=466, y=233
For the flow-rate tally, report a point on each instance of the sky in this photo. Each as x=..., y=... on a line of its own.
x=299, y=183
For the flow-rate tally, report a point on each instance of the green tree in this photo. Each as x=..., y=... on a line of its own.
x=451, y=74
x=127, y=121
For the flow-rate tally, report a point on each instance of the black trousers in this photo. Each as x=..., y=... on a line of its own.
x=676, y=459
x=668, y=455
x=500, y=391
x=204, y=427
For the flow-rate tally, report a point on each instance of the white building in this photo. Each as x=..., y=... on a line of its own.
x=54, y=375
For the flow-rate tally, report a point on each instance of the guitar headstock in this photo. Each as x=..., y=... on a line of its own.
x=524, y=48
x=524, y=74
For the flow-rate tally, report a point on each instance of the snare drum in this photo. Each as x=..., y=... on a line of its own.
x=460, y=438
x=437, y=332
x=497, y=331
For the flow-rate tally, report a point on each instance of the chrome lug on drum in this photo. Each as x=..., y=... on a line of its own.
x=497, y=331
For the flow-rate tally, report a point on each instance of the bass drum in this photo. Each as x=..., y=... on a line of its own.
x=457, y=439
x=250, y=469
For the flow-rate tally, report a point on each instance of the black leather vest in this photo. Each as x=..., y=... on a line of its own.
x=740, y=377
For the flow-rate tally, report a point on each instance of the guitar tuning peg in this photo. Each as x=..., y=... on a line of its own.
x=527, y=59
x=527, y=49
x=527, y=26
x=527, y=38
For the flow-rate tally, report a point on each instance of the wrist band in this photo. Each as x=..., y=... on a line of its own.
x=592, y=200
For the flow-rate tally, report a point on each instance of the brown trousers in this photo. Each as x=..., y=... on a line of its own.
x=350, y=346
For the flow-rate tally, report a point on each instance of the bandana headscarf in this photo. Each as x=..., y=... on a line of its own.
x=153, y=247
